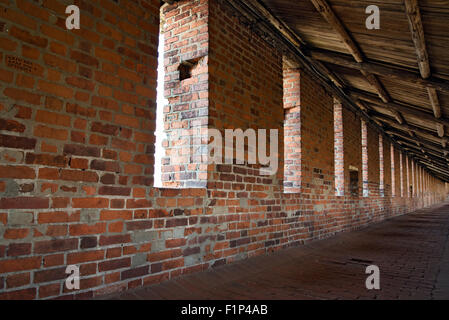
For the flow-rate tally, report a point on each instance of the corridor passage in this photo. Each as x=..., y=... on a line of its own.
x=411, y=251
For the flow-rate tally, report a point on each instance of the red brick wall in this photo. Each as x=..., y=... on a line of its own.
x=77, y=138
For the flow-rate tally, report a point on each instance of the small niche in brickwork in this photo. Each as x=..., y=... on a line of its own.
x=354, y=182
x=186, y=68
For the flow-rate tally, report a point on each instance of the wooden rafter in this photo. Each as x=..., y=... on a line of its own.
x=278, y=24
x=326, y=11
x=375, y=83
x=371, y=69
x=440, y=130
x=423, y=145
x=433, y=97
x=417, y=31
x=437, y=163
x=386, y=70
x=402, y=108
x=442, y=172
x=407, y=127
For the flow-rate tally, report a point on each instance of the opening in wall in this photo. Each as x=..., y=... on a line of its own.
x=354, y=181
x=365, y=159
x=338, y=149
x=393, y=177
x=292, y=129
x=401, y=171
x=381, y=167
x=161, y=102
x=182, y=103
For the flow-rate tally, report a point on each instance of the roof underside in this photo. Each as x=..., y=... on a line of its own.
x=379, y=69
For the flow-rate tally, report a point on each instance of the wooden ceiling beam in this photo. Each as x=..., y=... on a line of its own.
x=385, y=70
x=433, y=97
x=326, y=11
x=443, y=164
x=435, y=169
x=443, y=167
x=426, y=149
x=283, y=28
x=407, y=127
x=440, y=130
x=375, y=83
x=334, y=78
x=403, y=108
x=417, y=31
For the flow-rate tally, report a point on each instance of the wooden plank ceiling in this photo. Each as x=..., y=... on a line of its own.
x=398, y=74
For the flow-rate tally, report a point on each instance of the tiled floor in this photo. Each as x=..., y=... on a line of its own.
x=412, y=252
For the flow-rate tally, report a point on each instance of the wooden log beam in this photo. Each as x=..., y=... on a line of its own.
x=437, y=164
x=433, y=97
x=334, y=78
x=407, y=127
x=373, y=81
x=326, y=11
x=441, y=162
x=440, y=130
x=417, y=31
x=402, y=108
x=385, y=70
x=425, y=148
x=283, y=28
x=441, y=165
x=435, y=169
x=363, y=106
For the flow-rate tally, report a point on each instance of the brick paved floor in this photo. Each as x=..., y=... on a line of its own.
x=411, y=251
